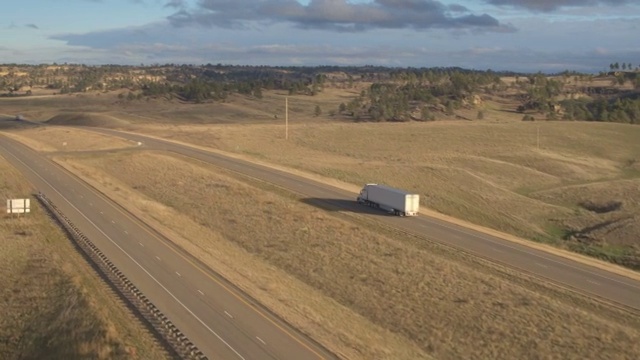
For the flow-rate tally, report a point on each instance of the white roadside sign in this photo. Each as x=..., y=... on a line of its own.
x=18, y=206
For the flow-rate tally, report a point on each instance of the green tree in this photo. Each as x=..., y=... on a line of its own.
x=426, y=114
x=480, y=115
x=449, y=109
x=317, y=111
x=342, y=108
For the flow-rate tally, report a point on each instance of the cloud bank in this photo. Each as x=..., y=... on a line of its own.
x=551, y=5
x=335, y=15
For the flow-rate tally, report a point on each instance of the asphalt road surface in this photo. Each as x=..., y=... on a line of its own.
x=219, y=319
x=560, y=270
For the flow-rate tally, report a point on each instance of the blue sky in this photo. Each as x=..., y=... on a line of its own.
x=519, y=35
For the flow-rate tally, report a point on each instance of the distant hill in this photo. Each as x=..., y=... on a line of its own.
x=386, y=94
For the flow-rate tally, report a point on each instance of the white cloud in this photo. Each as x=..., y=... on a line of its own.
x=335, y=15
x=541, y=44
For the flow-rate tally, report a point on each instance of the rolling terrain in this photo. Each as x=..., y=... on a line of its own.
x=282, y=254
x=510, y=208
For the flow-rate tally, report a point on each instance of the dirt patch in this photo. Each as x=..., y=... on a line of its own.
x=601, y=208
x=421, y=293
x=54, y=306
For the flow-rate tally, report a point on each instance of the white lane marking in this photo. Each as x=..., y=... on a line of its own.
x=134, y=261
x=101, y=213
x=81, y=197
x=158, y=258
x=262, y=341
x=498, y=250
x=113, y=222
x=229, y=315
x=141, y=244
x=126, y=232
x=201, y=293
x=593, y=282
x=90, y=204
x=541, y=265
x=177, y=273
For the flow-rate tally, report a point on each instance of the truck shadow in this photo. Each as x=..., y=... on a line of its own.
x=343, y=205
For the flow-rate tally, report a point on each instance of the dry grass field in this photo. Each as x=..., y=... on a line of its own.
x=364, y=292
x=52, y=139
x=54, y=306
x=500, y=172
x=534, y=180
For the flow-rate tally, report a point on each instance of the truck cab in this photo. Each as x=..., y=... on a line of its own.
x=363, y=197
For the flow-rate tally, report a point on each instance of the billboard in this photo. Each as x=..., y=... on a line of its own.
x=18, y=206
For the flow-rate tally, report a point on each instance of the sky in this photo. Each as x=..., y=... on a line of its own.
x=515, y=35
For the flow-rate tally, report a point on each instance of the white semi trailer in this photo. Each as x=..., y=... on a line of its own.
x=396, y=201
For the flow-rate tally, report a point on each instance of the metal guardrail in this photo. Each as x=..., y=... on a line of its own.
x=160, y=323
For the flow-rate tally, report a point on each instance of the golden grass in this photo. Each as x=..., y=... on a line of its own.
x=54, y=306
x=599, y=195
x=53, y=138
x=566, y=253
x=481, y=172
x=350, y=284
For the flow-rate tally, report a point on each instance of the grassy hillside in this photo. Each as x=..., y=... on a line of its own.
x=506, y=176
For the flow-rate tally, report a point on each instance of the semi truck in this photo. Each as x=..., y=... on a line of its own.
x=395, y=201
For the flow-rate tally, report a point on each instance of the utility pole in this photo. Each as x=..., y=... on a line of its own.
x=286, y=118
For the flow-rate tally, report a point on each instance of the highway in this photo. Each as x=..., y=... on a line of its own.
x=219, y=319
x=557, y=269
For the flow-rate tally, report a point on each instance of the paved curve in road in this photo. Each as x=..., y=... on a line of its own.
x=566, y=272
x=219, y=319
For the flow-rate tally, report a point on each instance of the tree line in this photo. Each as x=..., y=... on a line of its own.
x=623, y=110
x=392, y=94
